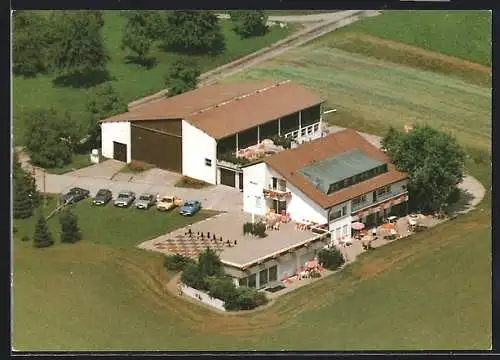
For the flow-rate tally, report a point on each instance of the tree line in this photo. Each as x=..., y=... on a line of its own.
x=70, y=44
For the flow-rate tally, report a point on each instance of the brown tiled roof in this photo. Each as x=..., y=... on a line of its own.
x=289, y=162
x=216, y=109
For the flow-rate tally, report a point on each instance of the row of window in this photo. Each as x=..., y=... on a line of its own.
x=339, y=232
x=357, y=178
x=334, y=215
x=265, y=276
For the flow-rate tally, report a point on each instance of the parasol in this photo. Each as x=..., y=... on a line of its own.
x=358, y=225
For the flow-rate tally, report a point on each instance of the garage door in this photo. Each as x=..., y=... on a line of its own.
x=157, y=148
x=119, y=151
x=227, y=177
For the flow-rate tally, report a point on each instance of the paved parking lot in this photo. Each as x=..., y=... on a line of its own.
x=103, y=170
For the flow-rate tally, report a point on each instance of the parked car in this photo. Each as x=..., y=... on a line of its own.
x=145, y=201
x=189, y=208
x=75, y=194
x=167, y=202
x=125, y=198
x=102, y=197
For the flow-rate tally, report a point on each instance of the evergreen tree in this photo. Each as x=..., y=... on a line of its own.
x=42, y=237
x=21, y=202
x=70, y=233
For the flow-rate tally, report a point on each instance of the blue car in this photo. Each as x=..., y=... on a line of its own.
x=189, y=208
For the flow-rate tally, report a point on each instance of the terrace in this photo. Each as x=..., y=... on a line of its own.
x=234, y=248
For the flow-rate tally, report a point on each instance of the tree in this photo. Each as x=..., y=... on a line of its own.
x=182, y=76
x=70, y=233
x=29, y=43
x=248, y=23
x=192, y=276
x=193, y=31
x=433, y=160
x=25, y=194
x=42, y=237
x=209, y=263
x=50, y=138
x=77, y=41
x=102, y=103
x=142, y=29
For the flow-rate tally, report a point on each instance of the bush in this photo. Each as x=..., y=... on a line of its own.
x=25, y=238
x=331, y=259
x=233, y=159
x=257, y=229
x=70, y=233
x=209, y=263
x=280, y=140
x=14, y=230
x=177, y=262
x=224, y=289
x=314, y=274
x=188, y=182
x=191, y=276
x=247, y=299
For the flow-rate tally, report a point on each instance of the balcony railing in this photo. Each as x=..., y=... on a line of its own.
x=304, y=131
x=277, y=195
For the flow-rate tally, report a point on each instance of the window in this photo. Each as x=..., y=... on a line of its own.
x=338, y=232
x=243, y=281
x=208, y=162
x=359, y=200
x=344, y=230
x=384, y=191
x=257, y=202
x=335, y=214
x=263, y=280
x=252, y=281
x=273, y=273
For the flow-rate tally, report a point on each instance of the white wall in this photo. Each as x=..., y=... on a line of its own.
x=301, y=207
x=118, y=131
x=205, y=298
x=196, y=147
x=255, y=179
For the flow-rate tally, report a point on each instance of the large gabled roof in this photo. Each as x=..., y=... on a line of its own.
x=288, y=163
x=221, y=110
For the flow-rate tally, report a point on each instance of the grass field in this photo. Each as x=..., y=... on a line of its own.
x=429, y=291
x=130, y=80
x=463, y=34
x=372, y=94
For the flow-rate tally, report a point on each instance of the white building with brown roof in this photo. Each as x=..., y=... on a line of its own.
x=332, y=181
x=191, y=132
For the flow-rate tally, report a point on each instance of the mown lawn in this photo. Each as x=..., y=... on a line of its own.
x=371, y=94
x=109, y=225
x=78, y=161
x=431, y=291
x=130, y=80
x=460, y=33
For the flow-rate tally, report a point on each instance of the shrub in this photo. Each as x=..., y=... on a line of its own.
x=247, y=299
x=25, y=238
x=257, y=229
x=191, y=276
x=331, y=259
x=177, y=262
x=188, y=182
x=314, y=274
x=14, y=230
x=233, y=159
x=224, y=289
x=70, y=233
x=280, y=140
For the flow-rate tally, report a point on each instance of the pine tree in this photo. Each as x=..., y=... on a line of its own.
x=22, y=204
x=70, y=232
x=42, y=237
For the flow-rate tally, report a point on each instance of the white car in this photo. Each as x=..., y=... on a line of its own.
x=145, y=201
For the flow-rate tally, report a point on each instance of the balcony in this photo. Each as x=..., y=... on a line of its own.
x=309, y=132
x=277, y=194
